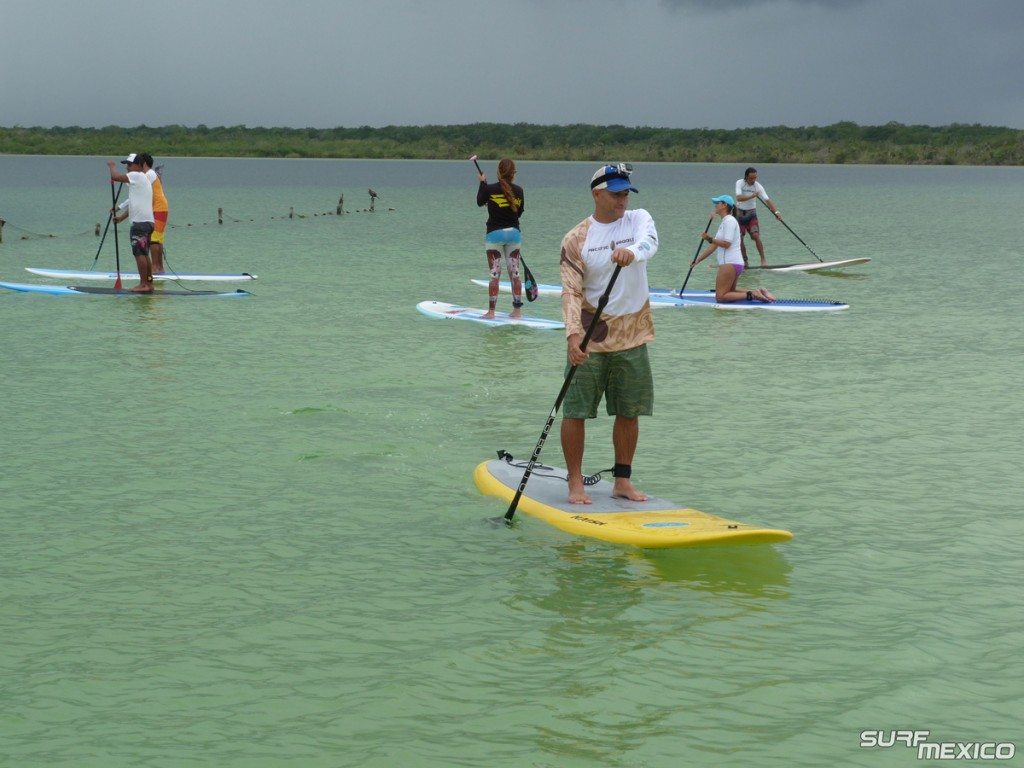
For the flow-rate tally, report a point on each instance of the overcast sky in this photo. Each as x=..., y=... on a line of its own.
x=672, y=63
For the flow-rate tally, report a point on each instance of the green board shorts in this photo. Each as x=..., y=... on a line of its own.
x=622, y=378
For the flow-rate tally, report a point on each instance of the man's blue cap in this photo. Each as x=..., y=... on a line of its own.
x=614, y=178
x=727, y=199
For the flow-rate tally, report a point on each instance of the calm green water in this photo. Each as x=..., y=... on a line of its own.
x=245, y=533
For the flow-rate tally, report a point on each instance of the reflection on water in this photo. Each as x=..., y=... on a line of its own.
x=754, y=570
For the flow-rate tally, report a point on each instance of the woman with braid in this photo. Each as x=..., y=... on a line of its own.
x=504, y=201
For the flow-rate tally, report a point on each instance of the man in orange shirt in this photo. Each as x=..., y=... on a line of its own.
x=160, y=211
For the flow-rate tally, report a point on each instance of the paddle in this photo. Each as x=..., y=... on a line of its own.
x=601, y=303
x=805, y=245
x=529, y=284
x=117, y=249
x=109, y=219
x=693, y=262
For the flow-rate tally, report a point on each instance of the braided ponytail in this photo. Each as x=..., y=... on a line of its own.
x=507, y=172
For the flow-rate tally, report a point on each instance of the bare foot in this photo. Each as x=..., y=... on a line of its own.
x=488, y=315
x=577, y=492
x=624, y=490
x=143, y=288
x=515, y=314
x=765, y=296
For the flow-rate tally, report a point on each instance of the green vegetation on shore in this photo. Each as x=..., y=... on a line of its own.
x=845, y=142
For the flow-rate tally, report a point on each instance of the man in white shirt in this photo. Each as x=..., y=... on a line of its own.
x=140, y=209
x=615, y=364
x=748, y=190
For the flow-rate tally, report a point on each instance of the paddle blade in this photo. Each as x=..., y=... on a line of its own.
x=529, y=284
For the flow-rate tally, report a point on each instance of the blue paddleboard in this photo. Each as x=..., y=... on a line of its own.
x=72, y=290
x=74, y=274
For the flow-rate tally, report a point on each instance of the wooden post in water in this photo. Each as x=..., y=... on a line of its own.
x=291, y=212
x=97, y=232
x=220, y=215
x=341, y=205
x=2, y=222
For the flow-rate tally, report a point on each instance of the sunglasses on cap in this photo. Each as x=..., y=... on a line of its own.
x=616, y=171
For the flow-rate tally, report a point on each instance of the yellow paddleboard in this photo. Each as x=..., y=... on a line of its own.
x=652, y=524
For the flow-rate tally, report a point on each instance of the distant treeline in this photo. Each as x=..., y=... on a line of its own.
x=845, y=142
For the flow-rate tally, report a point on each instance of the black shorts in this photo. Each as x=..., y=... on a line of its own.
x=140, y=234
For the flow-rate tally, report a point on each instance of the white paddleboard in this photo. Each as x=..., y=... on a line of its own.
x=811, y=266
x=445, y=311
x=70, y=274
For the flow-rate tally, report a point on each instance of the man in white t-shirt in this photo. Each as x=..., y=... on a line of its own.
x=748, y=190
x=140, y=209
x=615, y=364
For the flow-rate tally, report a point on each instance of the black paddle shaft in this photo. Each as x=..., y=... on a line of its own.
x=117, y=249
x=693, y=261
x=109, y=219
x=601, y=303
x=805, y=245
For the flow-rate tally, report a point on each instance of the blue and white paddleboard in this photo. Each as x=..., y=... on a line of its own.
x=707, y=299
x=440, y=309
x=79, y=290
x=71, y=274
x=666, y=297
x=548, y=289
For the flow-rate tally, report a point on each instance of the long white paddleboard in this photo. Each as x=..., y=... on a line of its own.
x=78, y=290
x=652, y=524
x=70, y=274
x=811, y=266
x=665, y=297
x=442, y=310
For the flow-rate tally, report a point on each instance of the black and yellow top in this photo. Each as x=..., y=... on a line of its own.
x=499, y=213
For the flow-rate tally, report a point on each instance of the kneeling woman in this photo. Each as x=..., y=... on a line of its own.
x=504, y=201
x=726, y=247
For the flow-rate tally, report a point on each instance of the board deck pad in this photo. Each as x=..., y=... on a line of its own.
x=652, y=524
x=72, y=274
x=86, y=290
x=443, y=310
